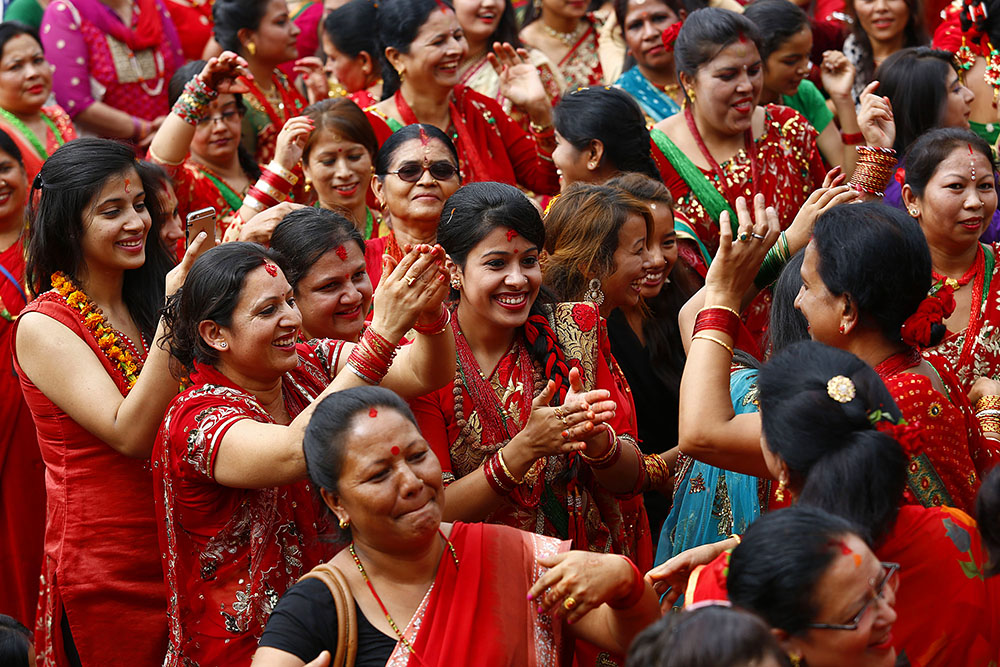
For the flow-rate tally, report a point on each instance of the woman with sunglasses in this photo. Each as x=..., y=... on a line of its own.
x=833, y=434
x=416, y=170
x=424, y=46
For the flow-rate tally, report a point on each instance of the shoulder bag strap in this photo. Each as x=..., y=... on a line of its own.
x=347, y=619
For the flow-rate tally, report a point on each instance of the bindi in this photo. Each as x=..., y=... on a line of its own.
x=341, y=253
x=373, y=413
x=272, y=269
x=395, y=450
x=128, y=183
x=511, y=235
x=972, y=162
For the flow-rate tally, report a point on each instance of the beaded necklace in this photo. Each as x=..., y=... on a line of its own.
x=567, y=38
x=30, y=135
x=748, y=144
x=975, y=317
x=364, y=575
x=898, y=363
x=966, y=278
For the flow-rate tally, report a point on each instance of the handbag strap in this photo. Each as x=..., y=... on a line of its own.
x=347, y=618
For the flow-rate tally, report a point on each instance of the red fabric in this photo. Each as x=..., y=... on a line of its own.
x=374, y=249
x=307, y=19
x=947, y=612
x=32, y=160
x=491, y=146
x=195, y=190
x=943, y=468
x=193, y=20
x=22, y=472
x=102, y=562
x=230, y=553
x=479, y=614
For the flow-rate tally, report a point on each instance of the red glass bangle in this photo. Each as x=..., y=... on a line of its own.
x=276, y=182
x=638, y=588
x=267, y=200
x=720, y=319
x=851, y=138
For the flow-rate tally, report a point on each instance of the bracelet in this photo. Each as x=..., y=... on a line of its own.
x=874, y=170
x=718, y=318
x=258, y=200
x=279, y=170
x=436, y=327
x=192, y=104
x=498, y=479
x=610, y=457
x=739, y=540
x=503, y=465
x=988, y=412
x=987, y=402
x=541, y=130
x=371, y=357
x=657, y=470
x=136, y=128
x=638, y=588
x=851, y=138
x=729, y=348
x=989, y=425
x=774, y=262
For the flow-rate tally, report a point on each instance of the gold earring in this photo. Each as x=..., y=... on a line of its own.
x=779, y=494
x=252, y=48
x=591, y=165
x=345, y=524
x=456, y=284
x=913, y=212
x=795, y=659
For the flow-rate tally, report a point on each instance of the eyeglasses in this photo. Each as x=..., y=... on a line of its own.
x=889, y=578
x=225, y=117
x=411, y=172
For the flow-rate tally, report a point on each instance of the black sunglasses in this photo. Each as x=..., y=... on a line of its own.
x=412, y=172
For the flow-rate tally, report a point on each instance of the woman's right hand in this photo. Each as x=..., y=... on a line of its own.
x=221, y=73
x=875, y=118
x=671, y=578
x=737, y=262
x=177, y=275
x=417, y=284
x=291, y=140
x=833, y=193
x=259, y=228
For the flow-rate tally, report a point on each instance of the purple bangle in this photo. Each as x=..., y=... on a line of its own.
x=136, y=128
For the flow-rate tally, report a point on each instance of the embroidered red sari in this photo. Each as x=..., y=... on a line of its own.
x=264, y=120
x=198, y=187
x=230, y=553
x=491, y=146
x=63, y=132
x=102, y=563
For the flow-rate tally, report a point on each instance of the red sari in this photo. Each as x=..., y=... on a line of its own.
x=198, y=187
x=478, y=613
x=109, y=588
x=230, y=553
x=22, y=472
x=560, y=497
x=265, y=118
x=945, y=466
x=491, y=146
x=947, y=611
x=581, y=67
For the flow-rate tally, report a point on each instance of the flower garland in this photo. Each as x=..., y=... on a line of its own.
x=104, y=333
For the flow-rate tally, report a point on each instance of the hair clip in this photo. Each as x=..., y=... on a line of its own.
x=841, y=389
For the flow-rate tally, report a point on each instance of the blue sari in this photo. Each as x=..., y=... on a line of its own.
x=710, y=503
x=655, y=103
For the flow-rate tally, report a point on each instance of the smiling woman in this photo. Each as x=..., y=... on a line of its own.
x=653, y=79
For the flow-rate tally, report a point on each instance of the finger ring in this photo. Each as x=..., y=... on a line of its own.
x=569, y=603
x=744, y=237
x=758, y=236
x=410, y=280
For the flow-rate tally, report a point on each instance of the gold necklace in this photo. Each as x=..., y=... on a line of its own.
x=567, y=38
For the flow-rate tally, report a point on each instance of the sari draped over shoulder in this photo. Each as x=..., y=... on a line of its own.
x=478, y=614
x=655, y=103
x=265, y=117
x=710, y=503
x=58, y=130
x=582, y=66
x=230, y=553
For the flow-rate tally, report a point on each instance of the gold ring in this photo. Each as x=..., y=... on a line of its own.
x=410, y=280
x=569, y=603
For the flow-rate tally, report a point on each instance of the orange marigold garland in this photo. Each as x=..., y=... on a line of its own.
x=104, y=333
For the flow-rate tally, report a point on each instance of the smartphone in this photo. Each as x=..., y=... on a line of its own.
x=202, y=220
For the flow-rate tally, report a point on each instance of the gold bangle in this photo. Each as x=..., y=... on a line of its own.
x=987, y=402
x=739, y=540
x=612, y=450
x=715, y=340
x=503, y=465
x=722, y=307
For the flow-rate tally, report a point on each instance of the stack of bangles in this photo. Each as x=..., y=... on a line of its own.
x=634, y=595
x=192, y=104
x=874, y=170
x=988, y=413
x=610, y=457
x=272, y=188
x=774, y=262
x=498, y=475
x=371, y=357
x=717, y=318
x=438, y=326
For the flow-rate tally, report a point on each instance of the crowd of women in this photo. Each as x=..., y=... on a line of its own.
x=476, y=332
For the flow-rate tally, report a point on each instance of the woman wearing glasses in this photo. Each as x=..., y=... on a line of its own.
x=831, y=428
x=416, y=170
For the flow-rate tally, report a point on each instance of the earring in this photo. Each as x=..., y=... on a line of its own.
x=252, y=48
x=779, y=493
x=223, y=345
x=591, y=165
x=913, y=212
x=345, y=524
x=594, y=292
x=794, y=659
x=843, y=329
x=456, y=284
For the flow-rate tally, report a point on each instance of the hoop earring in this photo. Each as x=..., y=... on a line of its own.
x=594, y=292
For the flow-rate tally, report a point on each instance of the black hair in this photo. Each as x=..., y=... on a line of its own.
x=984, y=24
x=68, y=182
x=777, y=22
x=397, y=24
x=231, y=16
x=349, y=27
x=11, y=29
x=834, y=453
x=385, y=155
x=931, y=148
x=706, y=32
x=988, y=516
x=326, y=434
x=787, y=324
x=210, y=292
x=305, y=235
x=712, y=636
x=611, y=116
x=180, y=79
x=15, y=642
x=621, y=10
x=913, y=35
x=856, y=243
x=150, y=172
x=915, y=81
x=783, y=554
x=9, y=146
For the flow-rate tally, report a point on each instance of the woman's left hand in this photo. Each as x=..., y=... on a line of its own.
x=416, y=286
x=291, y=140
x=313, y=76
x=837, y=74
x=519, y=79
x=737, y=262
x=604, y=411
x=833, y=193
x=580, y=581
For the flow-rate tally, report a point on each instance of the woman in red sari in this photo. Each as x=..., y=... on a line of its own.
x=238, y=521
x=262, y=32
x=24, y=88
x=352, y=58
x=570, y=37
x=22, y=473
x=79, y=350
x=433, y=593
x=424, y=46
